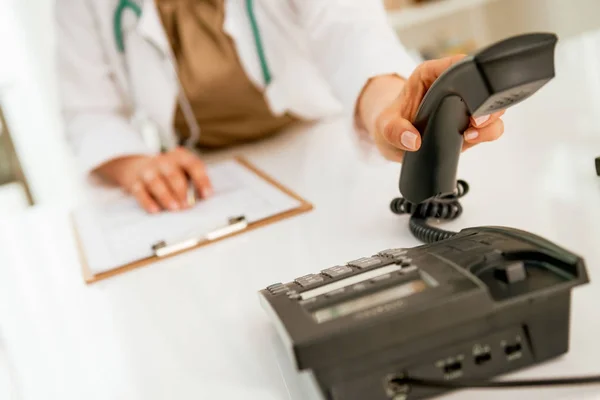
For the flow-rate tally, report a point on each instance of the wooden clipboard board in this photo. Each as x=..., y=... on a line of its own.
x=304, y=207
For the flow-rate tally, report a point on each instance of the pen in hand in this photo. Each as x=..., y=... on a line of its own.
x=170, y=181
x=191, y=194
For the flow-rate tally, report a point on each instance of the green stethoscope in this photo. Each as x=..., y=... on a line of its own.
x=124, y=5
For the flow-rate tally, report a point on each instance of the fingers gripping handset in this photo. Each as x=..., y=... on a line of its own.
x=492, y=80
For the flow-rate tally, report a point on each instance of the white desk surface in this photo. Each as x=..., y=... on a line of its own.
x=192, y=328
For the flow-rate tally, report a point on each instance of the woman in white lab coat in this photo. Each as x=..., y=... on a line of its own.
x=144, y=81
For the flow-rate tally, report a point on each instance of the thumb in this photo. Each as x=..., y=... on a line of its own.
x=399, y=132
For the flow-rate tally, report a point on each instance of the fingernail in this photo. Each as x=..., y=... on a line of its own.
x=208, y=192
x=471, y=134
x=154, y=209
x=173, y=205
x=409, y=140
x=481, y=120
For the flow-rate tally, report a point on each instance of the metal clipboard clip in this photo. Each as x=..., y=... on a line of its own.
x=235, y=224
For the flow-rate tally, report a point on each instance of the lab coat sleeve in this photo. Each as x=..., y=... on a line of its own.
x=352, y=41
x=95, y=112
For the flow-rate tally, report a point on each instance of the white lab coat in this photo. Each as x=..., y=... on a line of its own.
x=320, y=52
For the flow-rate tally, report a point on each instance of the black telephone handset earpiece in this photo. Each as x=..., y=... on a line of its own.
x=491, y=80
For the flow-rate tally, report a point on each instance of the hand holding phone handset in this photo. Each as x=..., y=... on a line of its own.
x=496, y=78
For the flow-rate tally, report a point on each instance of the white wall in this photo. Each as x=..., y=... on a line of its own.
x=36, y=20
x=498, y=19
x=564, y=17
x=30, y=99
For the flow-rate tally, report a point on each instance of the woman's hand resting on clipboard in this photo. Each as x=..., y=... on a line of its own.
x=159, y=182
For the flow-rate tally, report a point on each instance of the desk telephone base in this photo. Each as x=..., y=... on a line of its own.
x=485, y=302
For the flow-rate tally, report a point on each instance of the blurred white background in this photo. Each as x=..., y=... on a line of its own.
x=29, y=91
x=29, y=101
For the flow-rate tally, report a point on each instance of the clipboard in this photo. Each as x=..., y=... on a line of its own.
x=235, y=226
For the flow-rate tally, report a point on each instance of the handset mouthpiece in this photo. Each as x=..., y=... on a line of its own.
x=493, y=79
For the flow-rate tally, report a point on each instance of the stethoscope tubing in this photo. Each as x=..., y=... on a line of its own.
x=125, y=5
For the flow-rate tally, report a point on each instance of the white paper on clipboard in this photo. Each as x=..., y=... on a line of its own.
x=117, y=232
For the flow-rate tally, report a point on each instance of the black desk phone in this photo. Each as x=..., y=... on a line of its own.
x=459, y=310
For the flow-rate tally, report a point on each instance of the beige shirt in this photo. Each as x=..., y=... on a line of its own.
x=228, y=107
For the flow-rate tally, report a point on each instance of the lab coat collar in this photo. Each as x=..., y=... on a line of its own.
x=150, y=27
